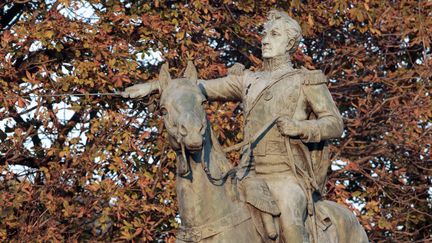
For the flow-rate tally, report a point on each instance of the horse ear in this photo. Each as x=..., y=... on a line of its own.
x=191, y=72
x=164, y=76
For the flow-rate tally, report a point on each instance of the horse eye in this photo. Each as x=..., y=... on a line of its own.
x=204, y=102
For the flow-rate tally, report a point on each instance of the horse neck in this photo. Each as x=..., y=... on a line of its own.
x=201, y=202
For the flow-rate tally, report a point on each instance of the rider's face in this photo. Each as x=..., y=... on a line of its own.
x=275, y=41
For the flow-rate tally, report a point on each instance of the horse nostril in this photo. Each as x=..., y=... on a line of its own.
x=182, y=130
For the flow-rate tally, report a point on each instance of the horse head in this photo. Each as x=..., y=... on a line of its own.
x=181, y=106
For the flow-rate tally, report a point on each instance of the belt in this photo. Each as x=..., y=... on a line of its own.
x=268, y=147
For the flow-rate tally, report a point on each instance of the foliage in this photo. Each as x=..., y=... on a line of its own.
x=97, y=167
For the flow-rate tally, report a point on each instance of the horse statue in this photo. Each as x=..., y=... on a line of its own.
x=211, y=205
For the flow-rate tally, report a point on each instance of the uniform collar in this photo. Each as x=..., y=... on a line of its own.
x=278, y=63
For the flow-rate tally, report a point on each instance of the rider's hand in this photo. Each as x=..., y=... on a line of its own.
x=139, y=90
x=289, y=127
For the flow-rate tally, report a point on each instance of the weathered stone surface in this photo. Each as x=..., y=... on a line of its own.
x=289, y=116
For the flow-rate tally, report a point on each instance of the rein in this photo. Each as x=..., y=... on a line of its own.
x=219, y=181
x=215, y=181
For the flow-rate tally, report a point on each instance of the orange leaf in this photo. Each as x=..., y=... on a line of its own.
x=21, y=102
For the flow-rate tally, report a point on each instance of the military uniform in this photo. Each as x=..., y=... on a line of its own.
x=297, y=94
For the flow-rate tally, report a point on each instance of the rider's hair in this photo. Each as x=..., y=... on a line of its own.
x=292, y=28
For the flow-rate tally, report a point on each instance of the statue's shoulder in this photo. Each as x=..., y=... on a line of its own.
x=313, y=77
x=237, y=69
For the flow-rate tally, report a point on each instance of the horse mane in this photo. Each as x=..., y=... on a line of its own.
x=222, y=162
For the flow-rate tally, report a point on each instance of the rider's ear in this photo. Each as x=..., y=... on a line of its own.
x=191, y=72
x=164, y=76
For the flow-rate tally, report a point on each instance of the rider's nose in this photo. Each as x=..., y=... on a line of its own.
x=264, y=41
x=182, y=130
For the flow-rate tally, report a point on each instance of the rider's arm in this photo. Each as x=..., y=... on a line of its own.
x=229, y=88
x=328, y=123
x=140, y=90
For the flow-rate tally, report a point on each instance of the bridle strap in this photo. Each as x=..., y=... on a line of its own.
x=183, y=167
x=215, y=181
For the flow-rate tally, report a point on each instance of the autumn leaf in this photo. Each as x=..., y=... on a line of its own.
x=99, y=167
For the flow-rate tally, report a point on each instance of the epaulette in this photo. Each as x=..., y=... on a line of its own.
x=313, y=77
x=236, y=69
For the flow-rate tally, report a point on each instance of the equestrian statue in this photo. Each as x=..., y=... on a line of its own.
x=275, y=193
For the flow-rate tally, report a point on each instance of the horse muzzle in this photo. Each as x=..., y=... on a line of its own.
x=193, y=143
x=194, y=148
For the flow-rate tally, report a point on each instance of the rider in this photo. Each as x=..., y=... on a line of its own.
x=289, y=156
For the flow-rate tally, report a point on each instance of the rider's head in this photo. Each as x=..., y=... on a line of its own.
x=282, y=35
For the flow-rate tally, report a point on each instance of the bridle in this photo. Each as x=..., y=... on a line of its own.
x=183, y=166
x=215, y=181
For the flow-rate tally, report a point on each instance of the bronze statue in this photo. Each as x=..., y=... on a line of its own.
x=289, y=116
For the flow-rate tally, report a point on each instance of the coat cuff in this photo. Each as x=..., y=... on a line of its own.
x=311, y=132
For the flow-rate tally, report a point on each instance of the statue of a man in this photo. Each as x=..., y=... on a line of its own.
x=288, y=156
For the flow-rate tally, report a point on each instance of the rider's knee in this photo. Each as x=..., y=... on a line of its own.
x=296, y=194
x=294, y=198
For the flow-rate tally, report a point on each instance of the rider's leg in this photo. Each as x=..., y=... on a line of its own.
x=292, y=204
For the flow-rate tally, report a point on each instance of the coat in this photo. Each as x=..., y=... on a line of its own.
x=299, y=94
